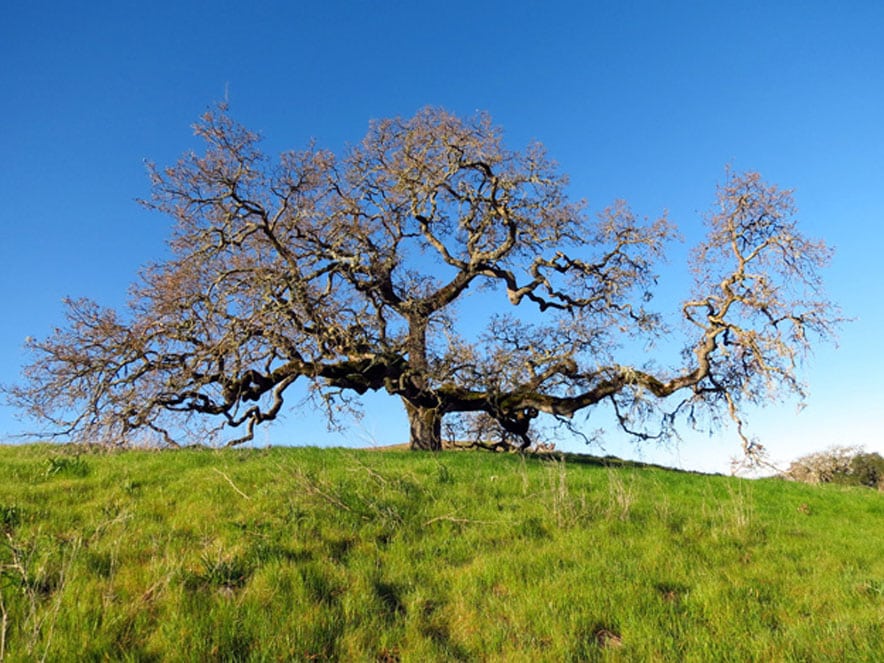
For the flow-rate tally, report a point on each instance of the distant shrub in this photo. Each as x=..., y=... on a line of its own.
x=868, y=469
x=844, y=465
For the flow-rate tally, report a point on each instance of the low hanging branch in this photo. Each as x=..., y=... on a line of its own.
x=346, y=273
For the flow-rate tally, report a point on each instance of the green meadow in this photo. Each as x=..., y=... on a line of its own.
x=304, y=554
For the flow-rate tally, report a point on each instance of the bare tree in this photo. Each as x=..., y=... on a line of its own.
x=347, y=273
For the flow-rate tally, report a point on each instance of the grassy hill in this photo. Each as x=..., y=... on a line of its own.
x=311, y=554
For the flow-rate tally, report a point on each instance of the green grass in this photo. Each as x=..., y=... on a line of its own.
x=309, y=554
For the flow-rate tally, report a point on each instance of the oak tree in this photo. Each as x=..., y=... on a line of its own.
x=348, y=273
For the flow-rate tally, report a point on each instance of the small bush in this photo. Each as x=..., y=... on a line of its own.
x=219, y=571
x=845, y=465
x=10, y=517
x=73, y=466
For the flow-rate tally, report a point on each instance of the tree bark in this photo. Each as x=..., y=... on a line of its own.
x=426, y=427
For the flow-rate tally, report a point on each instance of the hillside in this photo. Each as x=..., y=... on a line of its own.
x=331, y=554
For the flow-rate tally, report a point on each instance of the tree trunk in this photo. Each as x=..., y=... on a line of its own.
x=426, y=427
x=425, y=422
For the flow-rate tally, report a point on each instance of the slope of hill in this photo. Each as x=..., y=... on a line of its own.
x=332, y=554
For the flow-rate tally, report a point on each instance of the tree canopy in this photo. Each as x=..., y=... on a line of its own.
x=346, y=272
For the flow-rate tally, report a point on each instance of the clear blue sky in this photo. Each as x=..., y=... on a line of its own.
x=646, y=101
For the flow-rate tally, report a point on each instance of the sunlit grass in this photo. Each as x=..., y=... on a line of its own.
x=309, y=554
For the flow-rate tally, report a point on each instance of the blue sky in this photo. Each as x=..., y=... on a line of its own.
x=647, y=101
